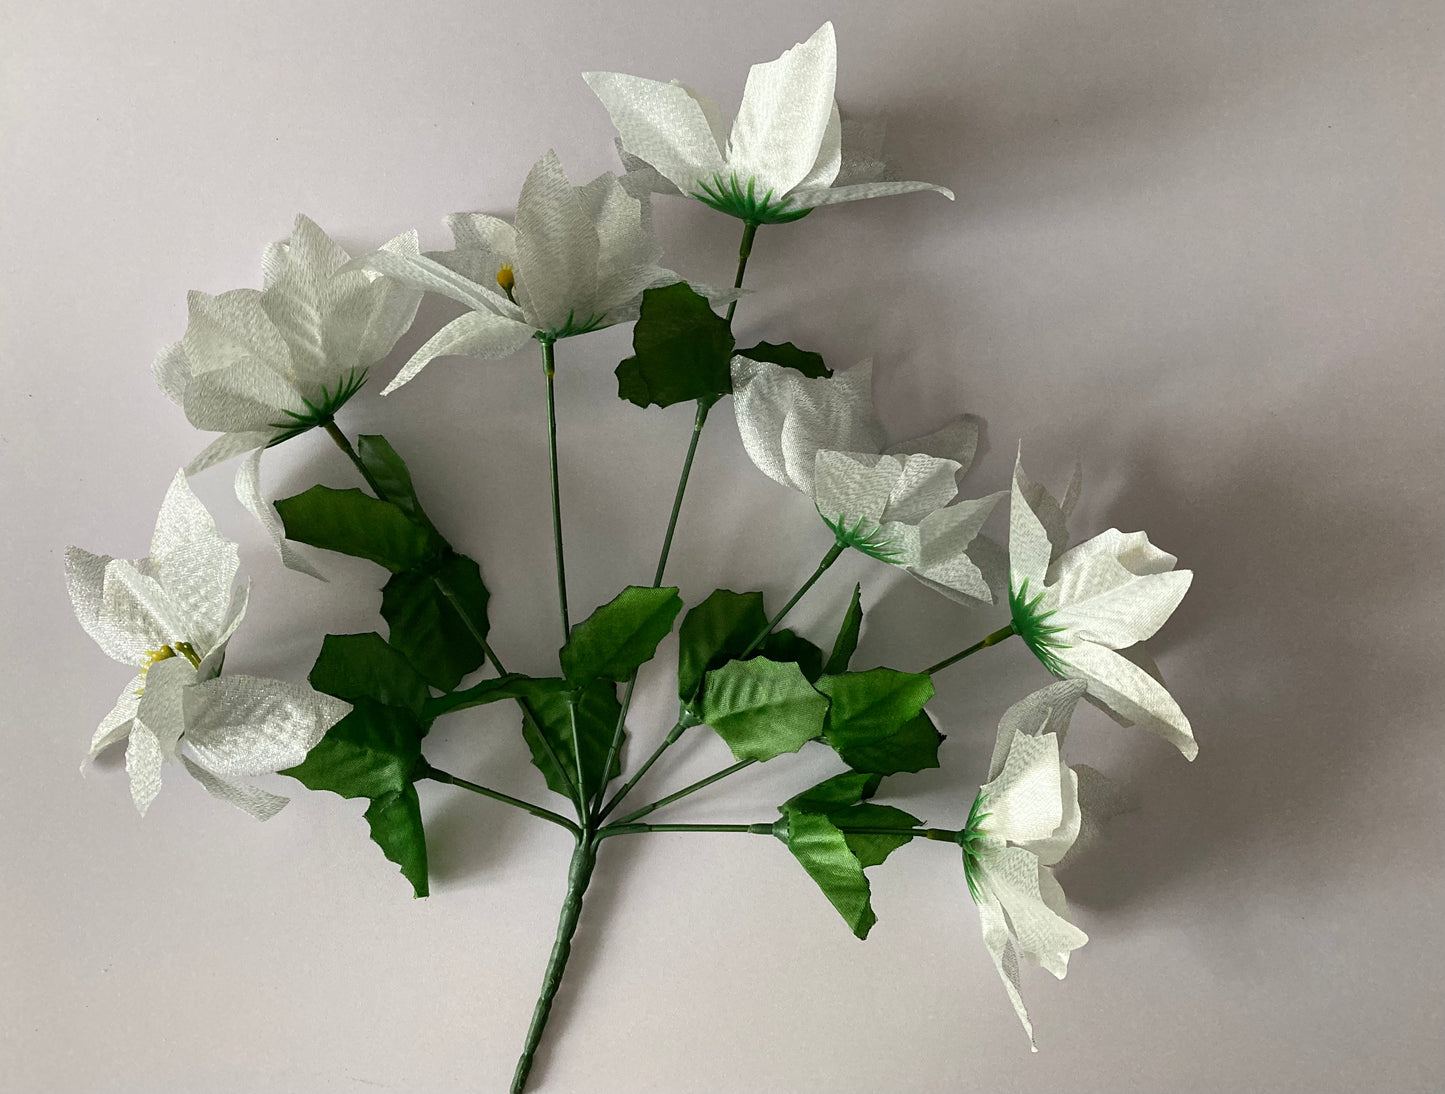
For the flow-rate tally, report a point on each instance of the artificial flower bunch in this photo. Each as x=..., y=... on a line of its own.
x=261, y=366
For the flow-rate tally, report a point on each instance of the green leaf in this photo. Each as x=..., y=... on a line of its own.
x=876, y=722
x=830, y=795
x=762, y=708
x=823, y=850
x=373, y=753
x=846, y=644
x=363, y=666
x=391, y=474
x=370, y=753
x=395, y=821
x=786, y=645
x=682, y=350
x=871, y=848
x=597, y=714
x=426, y=625
x=820, y=833
x=714, y=633
x=353, y=523
x=789, y=356
x=616, y=639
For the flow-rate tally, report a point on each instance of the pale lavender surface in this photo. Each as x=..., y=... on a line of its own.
x=1199, y=246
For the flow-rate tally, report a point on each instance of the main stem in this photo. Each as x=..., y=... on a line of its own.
x=549, y=366
x=983, y=644
x=579, y=873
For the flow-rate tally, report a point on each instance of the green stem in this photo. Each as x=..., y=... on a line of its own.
x=750, y=229
x=828, y=560
x=579, y=873
x=686, y=790
x=343, y=442
x=426, y=771
x=638, y=829
x=549, y=366
x=698, y=421
x=992, y=640
x=682, y=726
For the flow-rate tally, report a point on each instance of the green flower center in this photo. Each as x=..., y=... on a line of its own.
x=970, y=839
x=323, y=410
x=1033, y=626
x=730, y=197
x=863, y=535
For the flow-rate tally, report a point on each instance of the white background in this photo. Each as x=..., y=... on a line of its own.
x=1196, y=245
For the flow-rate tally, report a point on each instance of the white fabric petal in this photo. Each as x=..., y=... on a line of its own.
x=194, y=563
x=854, y=486
x=85, y=578
x=143, y=765
x=476, y=334
x=1124, y=614
x=227, y=445
x=1042, y=935
x=830, y=154
x=116, y=725
x=1025, y=800
x=248, y=493
x=172, y=370
x=1131, y=693
x=401, y=259
x=1005, y=956
x=258, y=803
x=814, y=197
x=784, y=114
x=137, y=610
x=247, y=725
x=957, y=441
x=159, y=709
x=557, y=249
x=943, y=559
x=1028, y=544
x=1047, y=710
x=661, y=124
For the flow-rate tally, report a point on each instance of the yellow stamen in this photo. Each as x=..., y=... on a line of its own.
x=507, y=277
x=175, y=649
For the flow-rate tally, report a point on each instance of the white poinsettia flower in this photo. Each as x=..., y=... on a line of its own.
x=786, y=154
x=823, y=438
x=1076, y=607
x=262, y=366
x=577, y=259
x=170, y=615
x=1023, y=821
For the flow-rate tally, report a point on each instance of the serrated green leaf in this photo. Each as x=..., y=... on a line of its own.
x=789, y=356
x=390, y=473
x=354, y=523
x=714, y=633
x=871, y=848
x=846, y=644
x=786, y=645
x=622, y=635
x=396, y=827
x=426, y=625
x=823, y=850
x=876, y=722
x=597, y=714
x=370, y=753
x=373, y=753
x=831, y=795
x=682, y=350
x=364, y=666
x=762, y=708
